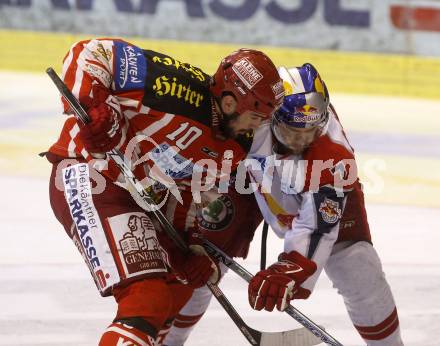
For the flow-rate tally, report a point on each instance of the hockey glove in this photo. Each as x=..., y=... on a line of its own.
x=104, y=131
x=197, y=268
x=280, y=283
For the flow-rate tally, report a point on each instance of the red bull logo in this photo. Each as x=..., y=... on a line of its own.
x=311, y=118
x=330, y=211
x=307, y=110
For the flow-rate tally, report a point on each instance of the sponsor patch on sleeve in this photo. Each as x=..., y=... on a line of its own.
x=137, y=248
x=216, y=214
x=99, y=73
x=330, y=211
x=130, y=67
x=170, y=162
x=89, y=236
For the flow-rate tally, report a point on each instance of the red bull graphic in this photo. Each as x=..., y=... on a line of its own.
x=330, y=211
x=307, y=109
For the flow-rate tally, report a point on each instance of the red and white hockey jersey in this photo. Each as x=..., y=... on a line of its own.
x=312, y=200
x=168, y=123
x=166, y=105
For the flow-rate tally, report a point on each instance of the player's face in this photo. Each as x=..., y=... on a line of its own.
x=296, y=139
x=245, y=122
x=239, y=124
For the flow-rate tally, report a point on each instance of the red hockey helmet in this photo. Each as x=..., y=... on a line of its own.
x=252, y=78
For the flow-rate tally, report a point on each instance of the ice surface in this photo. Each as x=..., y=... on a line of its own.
x=47, y=297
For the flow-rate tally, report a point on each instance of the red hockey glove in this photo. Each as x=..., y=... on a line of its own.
x=280, y=283
x=197, y=268
x=104, y=131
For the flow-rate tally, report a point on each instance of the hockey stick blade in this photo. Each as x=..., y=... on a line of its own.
x=254, y=337
x=295, y=337
x=311, y=326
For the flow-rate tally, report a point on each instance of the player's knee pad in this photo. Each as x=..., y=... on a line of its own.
x=198, y=303
x=356, y=271
x=149, y=299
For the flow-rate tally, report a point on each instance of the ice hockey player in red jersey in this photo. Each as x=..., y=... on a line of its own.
x=310, y=194
x=173, y=122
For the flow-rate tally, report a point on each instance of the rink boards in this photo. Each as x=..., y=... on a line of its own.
x=361, y=73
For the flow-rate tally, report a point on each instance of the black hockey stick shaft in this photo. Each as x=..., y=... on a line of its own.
x=319, y=332
x=253, y=336
x=263, y=246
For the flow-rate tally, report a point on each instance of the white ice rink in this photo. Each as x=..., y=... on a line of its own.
x=48, y=298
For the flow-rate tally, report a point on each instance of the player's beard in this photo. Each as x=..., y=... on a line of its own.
x=282, y=149
x=226, y=128
x=298, y=149
x=242, y=137
x=225, y=120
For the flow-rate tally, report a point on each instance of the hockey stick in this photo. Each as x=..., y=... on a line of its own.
x=263, y=246
x=319, y=332
x=299, y=337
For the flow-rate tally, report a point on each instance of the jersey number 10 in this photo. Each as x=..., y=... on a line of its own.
x=187, y=135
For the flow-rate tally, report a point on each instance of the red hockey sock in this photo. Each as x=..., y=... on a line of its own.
x=148, y=299
x=121, y=334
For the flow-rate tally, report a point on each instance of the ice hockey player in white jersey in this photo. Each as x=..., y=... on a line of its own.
x=309, y=192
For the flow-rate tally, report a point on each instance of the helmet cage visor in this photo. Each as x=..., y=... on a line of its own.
x=294, y=138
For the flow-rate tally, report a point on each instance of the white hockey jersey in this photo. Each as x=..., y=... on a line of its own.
x=309, y=199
